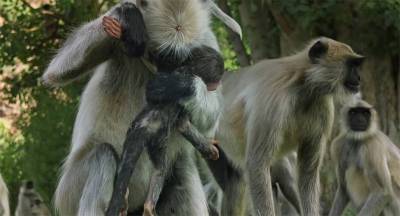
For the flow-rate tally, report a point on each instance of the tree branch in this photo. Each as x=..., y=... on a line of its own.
x=285, y=23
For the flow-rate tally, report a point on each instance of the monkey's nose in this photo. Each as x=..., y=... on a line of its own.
x=178, y=28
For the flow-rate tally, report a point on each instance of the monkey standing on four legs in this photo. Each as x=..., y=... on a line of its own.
x=367, y=164
x=281, y=105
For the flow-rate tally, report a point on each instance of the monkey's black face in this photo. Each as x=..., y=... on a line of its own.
x=206, y=63
x=352, y=79
x=359, y=118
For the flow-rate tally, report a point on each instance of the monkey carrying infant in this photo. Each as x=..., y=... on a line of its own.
x=165, y=95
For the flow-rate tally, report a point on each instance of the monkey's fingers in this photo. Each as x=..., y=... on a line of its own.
x=112, y=30
x=123, y=212
x=214, y=153
x=112, y=27
x=214, y=142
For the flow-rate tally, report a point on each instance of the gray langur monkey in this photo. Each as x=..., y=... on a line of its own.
x=367, y=164
x=115, y=95
x=4, y=204
x=280, y=105
x=30, y=203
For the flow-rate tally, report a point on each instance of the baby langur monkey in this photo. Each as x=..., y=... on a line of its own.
x=367, y=164
x=30, y=203
x=165, y=113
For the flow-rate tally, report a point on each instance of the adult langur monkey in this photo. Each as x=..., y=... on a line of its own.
x=367, y=164
x=4, y=205
x=115, y=94
x=279, y=105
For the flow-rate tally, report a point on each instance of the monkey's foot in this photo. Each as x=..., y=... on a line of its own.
x=148, y=209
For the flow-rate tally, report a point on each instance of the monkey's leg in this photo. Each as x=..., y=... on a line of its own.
x=86, y=184
x=183, y=192
x=232, y=182
x=259, y=158
x=159, y=157
x=310, y=154
x=203, y=145
x=282, y=172
x=340, y=202
x=155, y=188
x=139, y=135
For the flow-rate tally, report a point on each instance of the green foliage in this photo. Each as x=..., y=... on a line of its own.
x=228, y=53
x=11, y=158
x=28, y=39
x=376, y=23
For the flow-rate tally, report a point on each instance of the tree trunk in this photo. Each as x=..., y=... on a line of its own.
x=260, y=29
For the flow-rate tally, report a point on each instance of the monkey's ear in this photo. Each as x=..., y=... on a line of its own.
x=317, y=50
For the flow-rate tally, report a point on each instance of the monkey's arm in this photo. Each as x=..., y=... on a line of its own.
x=198, y=140
x=90, y=45
x=340, y=201
x=204, y=105
x=86, y=48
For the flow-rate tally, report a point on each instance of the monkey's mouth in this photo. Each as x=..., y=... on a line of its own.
x=352, y=86
x=359, y=127
x=213, y=86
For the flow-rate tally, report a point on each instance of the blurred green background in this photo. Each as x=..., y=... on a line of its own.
x=36, y=122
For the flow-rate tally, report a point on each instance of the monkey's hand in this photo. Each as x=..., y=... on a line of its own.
x=112, y=27
x=129, y=28
x=214, y=154
x=170, y=88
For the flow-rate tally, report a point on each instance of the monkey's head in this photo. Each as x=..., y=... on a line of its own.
x=176, y=26
x=359, y=120
x=334, y=67
x=206, y=63
x=30, y=200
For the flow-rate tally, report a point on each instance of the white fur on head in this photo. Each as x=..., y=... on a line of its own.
x=359, y=135
x=175, y=26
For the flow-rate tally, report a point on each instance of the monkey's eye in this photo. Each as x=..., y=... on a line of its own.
x=352, y=112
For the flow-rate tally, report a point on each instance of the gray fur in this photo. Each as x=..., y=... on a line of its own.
x=367, y=169
x=4, y=204
x=30, y=203
x=277, y=106
x=112, y=98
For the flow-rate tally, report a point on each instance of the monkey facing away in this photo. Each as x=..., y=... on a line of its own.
x=113, y=97
x=280, y=105
x=367, y=164
x=4, y=204
x=30, y=203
